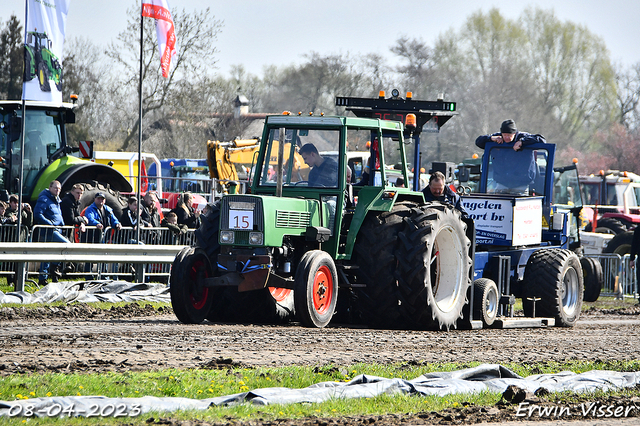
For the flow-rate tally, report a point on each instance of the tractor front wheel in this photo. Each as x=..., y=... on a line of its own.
x=316, y=289
x=190, y=299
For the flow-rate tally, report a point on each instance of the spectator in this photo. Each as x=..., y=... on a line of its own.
x=171, y=221
x=70, y=206
x=3, y=209
x=101, y=216
x=438, y=190
x=185, y=211
x=132, y=216
x=48, y=212
x=150, y=210
x=11, y=213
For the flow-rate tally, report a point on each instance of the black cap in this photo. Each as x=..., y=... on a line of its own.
x=508, y=126
x=99, y=194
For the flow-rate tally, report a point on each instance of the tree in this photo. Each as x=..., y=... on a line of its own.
x=195, y=32
x=12, y=64
x=628, y=97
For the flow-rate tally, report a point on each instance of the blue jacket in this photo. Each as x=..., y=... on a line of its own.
x=94, y=217
x=47, y=210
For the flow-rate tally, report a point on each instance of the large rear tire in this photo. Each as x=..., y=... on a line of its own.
x=593, y=278
x=316, y=291
x=113, y=198
x=375, y=249
x=190, y=299
x=607, y=225
x=555, y=277
x=434, y=267
x=620, y=244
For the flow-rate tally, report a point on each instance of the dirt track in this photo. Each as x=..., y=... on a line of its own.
x=79, y=338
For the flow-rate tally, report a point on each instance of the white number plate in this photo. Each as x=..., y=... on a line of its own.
x=240, y=219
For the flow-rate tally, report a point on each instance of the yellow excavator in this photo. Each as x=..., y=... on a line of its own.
x=231, y=162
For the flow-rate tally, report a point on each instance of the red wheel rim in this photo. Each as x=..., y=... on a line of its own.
x=198, y=303
x=279, y=294
x=322, y=289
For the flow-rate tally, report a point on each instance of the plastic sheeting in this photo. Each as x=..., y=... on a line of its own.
x=91, y=291
x=486, y=377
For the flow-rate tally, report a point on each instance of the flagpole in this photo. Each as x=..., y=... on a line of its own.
x=138, y=186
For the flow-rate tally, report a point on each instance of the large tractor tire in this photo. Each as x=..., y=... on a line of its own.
x=555, y=277
x=434, y=267
x=113, y=198
x=486, y=301
x=607, y=225
x=190, y=300
x=620, y=244
x=593, y=278
x=377, y=304
x=316, y=289
x=259, y=306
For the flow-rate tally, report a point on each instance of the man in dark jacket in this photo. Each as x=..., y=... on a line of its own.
x=47, y=212
x=438, y=190
x=513, y=171
x=70, y=206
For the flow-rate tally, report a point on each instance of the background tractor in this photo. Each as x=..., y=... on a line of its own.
x=47, y=155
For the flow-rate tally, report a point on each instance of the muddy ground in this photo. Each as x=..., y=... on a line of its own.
x=79, y=338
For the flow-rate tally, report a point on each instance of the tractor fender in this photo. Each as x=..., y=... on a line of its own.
x=70, y=170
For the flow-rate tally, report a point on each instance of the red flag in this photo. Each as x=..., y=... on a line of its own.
x=165, y=30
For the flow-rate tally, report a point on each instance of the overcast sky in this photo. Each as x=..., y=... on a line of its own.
x=280, y=32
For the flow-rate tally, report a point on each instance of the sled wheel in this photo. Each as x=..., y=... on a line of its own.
x=486, y=301
x=593, y=278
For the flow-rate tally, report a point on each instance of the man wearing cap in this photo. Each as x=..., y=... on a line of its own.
x=513, y=170
x=47, y=212
x=101, y=216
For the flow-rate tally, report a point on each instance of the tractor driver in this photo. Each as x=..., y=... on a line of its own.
x=324, y=170
x=438, y=190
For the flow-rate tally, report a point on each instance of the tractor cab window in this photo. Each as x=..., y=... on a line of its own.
x=310, y=158
x=358, y=154
x=566, y=192
x=43, y=137
x=516, y=172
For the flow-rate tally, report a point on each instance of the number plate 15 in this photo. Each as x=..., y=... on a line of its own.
x=240, y=219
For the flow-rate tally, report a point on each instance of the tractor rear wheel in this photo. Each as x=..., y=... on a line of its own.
x=190, y=299
x=316, y=291
x=593, y=278
x=113, y=198
x=620, y=244
x=607, y=225
x=486, y=301
x=377, y=304
x=434, y=267
x=555, y=277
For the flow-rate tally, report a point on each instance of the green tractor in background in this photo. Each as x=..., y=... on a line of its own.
x=40, y=62
x=364, y=250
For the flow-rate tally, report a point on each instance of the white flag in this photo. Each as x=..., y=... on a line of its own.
x=43, y=42
x=165, y=30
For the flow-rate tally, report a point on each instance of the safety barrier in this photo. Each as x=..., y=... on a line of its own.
x=91, y=268
x=618, y=276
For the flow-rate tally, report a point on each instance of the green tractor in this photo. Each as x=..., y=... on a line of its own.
x=40, y=62
x=312, y=250
x=47, y=156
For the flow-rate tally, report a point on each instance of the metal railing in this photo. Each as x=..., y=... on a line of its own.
x=90, y=267
x=619, y=279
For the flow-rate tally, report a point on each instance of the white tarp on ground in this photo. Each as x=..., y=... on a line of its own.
x=486, y=377
x=91, y=291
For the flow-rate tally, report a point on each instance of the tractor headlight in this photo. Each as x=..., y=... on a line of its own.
x=255, y=238
x=226, y=237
